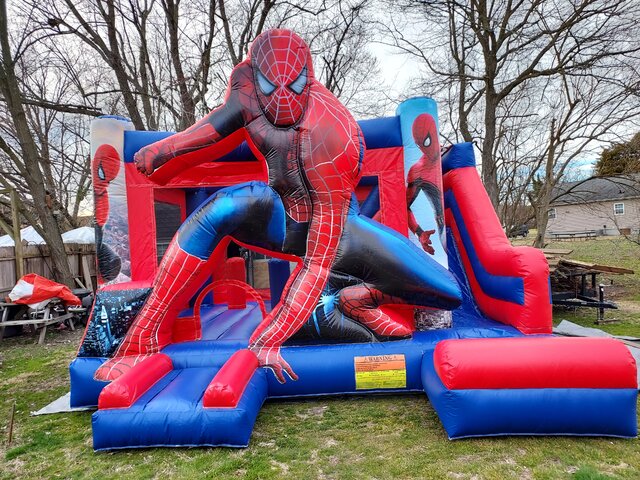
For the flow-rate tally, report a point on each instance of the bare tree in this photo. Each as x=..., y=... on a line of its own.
x=142, y=44
x=168, y=60
x=484, y=51
x=588, y=111
x=162, y=63
x=250, y=19
x=340, y=40
x=26, y=155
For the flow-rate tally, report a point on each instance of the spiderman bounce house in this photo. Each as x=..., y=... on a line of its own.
x=388, y=272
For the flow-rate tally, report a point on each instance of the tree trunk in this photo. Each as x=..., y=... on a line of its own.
x=115, y=61
x=544, y=196
x=188, y=107
x=489, y=168
x=542, y=220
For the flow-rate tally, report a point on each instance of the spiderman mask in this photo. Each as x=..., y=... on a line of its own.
x=425, y=135
x=283, y=71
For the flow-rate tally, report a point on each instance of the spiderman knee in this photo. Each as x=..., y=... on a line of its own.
x=250, y=212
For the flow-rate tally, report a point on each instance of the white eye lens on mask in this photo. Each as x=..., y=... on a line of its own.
x=297, y=86
x=265, y=85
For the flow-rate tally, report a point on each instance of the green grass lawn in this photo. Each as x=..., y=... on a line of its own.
x=346, y=438
x=342, y=438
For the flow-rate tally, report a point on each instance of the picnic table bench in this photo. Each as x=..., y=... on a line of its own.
x=573, y=235
x=36, y=319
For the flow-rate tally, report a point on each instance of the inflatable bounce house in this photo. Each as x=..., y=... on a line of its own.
x=389, y=272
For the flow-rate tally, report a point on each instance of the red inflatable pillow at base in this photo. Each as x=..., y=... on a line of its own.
x=533, y=386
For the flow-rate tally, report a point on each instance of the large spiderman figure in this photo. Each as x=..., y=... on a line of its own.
x=425, y=176
x=314, y=150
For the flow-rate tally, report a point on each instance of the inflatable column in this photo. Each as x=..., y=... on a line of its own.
x=110, y=198
x=425, y=203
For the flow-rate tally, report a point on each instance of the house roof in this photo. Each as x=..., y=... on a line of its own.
x=597, y=189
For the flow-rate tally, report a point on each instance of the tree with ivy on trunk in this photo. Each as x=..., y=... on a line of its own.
x=25, y=155
x=622, y=158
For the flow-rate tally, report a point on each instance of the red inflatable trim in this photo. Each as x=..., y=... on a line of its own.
x=186, y=329
x=498, y=257
x=142, y=228
x=174, y=167
x=387, y=164
x=534, y=362
x=126, y=389
x=234, y=269
x=211, y=174
x=248, y=291
x=228, y=385
x=114, y=287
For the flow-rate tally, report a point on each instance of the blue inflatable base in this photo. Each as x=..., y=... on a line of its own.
x=547, y=411
x=171, y=414
x=323, y=369
x=84, y=389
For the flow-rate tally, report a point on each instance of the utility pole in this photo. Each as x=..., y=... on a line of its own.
x=14, y=230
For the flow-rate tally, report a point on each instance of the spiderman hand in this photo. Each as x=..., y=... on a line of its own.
x=425, y=241
x=270, y=357
x=144, y=160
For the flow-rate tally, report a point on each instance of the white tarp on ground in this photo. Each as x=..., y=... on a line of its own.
x=82, y=235
x=571, y=329
x=61, y=405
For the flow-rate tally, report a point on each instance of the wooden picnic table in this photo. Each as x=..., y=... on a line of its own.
x=573, y=235
x=565, y=289
x=38, y=319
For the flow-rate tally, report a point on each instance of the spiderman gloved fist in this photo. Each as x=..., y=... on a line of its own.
x=144, y=161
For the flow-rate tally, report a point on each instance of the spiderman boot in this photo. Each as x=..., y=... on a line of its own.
x=362, y=302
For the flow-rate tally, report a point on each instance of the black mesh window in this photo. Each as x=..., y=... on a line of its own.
x=168, y=220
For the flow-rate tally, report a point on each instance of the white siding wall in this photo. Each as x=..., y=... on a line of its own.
x=595, y=216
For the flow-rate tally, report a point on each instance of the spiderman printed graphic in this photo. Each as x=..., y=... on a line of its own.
x=424, y=176
x=313, y=149
x=104, y=168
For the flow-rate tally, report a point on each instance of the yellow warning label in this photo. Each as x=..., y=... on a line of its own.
x=380, y=371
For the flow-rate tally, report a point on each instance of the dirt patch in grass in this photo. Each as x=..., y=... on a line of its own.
x=629, y=306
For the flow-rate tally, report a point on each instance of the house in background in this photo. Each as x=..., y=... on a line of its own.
x=600, y=205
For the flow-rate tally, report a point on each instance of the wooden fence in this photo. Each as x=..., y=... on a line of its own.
x=82, y=261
